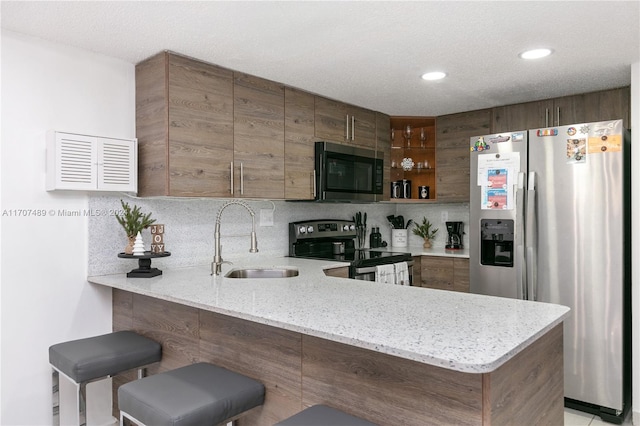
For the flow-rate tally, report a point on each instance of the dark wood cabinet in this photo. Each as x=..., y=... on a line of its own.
x=445, y=273
x=184, y=125
x=594, y=106
x=453, y=133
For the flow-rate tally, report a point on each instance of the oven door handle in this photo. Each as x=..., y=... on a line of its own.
x=372, y=269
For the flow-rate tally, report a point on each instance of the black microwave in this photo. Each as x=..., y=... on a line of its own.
x=348, y=173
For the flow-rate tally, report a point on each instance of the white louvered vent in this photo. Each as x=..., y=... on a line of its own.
x=116, y=163
x=81, y=162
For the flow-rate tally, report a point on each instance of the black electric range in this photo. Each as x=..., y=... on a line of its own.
x=334, y=239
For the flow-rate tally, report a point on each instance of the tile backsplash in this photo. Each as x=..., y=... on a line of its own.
x=189, y=227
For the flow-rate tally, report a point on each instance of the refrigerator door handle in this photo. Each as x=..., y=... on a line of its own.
x=531, y=239
x=521, y=269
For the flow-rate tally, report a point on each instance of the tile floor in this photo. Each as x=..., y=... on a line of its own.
x=579, y=418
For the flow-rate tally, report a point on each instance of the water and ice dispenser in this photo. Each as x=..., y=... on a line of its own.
x=496, y=242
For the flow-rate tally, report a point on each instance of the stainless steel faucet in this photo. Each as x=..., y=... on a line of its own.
x=216, y=265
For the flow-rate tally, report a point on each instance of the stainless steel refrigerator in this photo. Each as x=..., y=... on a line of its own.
x=550, y=221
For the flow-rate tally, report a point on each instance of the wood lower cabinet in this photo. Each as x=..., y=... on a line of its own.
x=594, y=106
x=342, y=272
x=184, y=125
x=300, y=370
x=445, y=273
x=258, y=137
x=453, y=133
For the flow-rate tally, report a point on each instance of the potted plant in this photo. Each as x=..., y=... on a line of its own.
x=424, y=230
x=133, y=221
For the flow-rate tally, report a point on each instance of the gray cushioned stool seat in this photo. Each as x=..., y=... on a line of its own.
x=94, y=357
x=198, y=394
x=321, y=415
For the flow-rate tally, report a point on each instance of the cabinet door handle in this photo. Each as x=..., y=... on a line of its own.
x=241, y=179
x=231, y=176
x=347, y=134
x=353, y=127
x=558, y=115
x=546, y=117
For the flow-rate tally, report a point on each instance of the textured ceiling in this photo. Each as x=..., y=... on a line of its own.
x=367, y=53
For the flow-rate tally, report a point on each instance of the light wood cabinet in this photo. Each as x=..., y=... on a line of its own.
x=594, y=106
x=343, y=123
x=184, y=125
x=445, y=273
x=258, y=137
x=453, y=133
x=299, y=143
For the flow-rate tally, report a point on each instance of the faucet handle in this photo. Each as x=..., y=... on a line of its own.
x=216, y=267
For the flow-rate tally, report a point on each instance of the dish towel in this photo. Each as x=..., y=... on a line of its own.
x=401, y=271
x=386, y=274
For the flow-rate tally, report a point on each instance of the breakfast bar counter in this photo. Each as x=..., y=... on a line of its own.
x=390, y=354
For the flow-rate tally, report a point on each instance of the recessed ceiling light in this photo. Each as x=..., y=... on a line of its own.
x=536, y=53
x=435, y=75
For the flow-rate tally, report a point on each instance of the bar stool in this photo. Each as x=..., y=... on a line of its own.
x=195, y=395
x=322, y=415
x=87, y=360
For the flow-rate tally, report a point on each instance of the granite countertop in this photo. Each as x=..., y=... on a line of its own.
x=458, y=331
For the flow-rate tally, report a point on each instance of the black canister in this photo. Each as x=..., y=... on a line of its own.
x=406, y=188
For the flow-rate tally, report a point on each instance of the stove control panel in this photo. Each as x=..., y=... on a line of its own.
x=322, y=229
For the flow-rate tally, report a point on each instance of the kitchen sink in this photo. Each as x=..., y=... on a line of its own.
x=262, y=273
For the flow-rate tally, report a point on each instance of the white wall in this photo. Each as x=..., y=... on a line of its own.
x=635, y=235
x=45, y=298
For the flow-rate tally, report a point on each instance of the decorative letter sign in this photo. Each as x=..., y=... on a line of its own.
x=157, y=239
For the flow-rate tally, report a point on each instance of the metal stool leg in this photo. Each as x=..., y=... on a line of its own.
x=55, y=397
x=82, y=404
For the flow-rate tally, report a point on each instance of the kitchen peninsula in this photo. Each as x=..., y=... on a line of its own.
x=390, y=354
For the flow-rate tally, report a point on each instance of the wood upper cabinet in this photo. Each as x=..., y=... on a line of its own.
x=299, y=145
x=445, y=273
x=595, y=106
x=338, y=122
x=184, y=125
x=383, y=144
x=453, y=133
x=258, y=137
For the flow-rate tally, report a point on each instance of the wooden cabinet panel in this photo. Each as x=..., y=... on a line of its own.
x=595, y=106
x=383, y=143
x=417, y=271
x=363, y=122
x=453, y=133
x=343, y=123
x=437, y=272
x=184, y=125
x=342, y=272
x=529, y=115
x=608, y=105
x=330, y=119
x=445, y=273
x=461, y=275
x=258, y=137
x=298, y=145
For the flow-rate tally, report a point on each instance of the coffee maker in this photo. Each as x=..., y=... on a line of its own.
x=454, y=239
